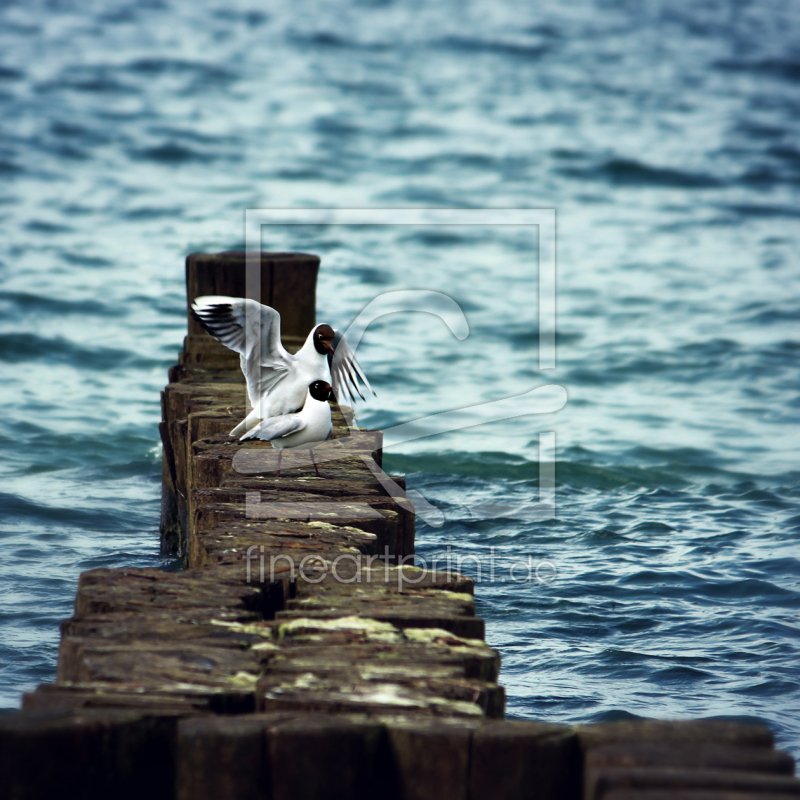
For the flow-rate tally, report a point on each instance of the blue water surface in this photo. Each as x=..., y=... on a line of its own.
x=666, y=136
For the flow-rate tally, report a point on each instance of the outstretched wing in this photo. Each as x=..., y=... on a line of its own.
x=346, y=374
x=253, y=331
x=275, y=427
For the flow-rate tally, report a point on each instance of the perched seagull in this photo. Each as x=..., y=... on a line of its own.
x=277, y=381
x=306, y=428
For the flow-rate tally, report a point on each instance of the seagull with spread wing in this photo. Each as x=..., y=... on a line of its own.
x=277, y=381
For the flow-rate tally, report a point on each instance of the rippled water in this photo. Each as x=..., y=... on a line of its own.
x=667, y=138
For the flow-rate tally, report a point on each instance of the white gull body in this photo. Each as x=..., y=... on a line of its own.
x=277, y=380
x=306, y=428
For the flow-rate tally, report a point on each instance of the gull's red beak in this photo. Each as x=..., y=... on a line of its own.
x=328, y=346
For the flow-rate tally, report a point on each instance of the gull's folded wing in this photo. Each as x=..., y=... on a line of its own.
x=275, y=427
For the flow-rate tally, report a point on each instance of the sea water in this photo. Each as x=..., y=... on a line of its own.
x=666, y=137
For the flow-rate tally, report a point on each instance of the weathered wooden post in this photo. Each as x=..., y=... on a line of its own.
x=288, y=283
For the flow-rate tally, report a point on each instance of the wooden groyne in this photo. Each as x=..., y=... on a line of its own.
x=299, y=654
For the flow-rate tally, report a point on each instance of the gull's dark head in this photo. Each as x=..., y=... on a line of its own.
x=321, y=390
x=323, y=339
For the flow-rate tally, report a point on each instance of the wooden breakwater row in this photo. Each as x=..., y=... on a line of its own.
x=293, y=657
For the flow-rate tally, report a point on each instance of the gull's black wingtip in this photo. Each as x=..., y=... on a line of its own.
x=209, y=315
x=201, y=322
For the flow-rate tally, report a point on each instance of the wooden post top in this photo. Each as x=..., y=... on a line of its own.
x=285, y=281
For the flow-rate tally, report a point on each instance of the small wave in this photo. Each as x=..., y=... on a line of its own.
x=335, y=126
x=43, y=226
x=119, y=16
x=410, y=130
x=711, y=348
x=589, y=476
x=19, y=508
x=785, y=153
x=613, y=715
x=9, y=168
x=501, y=466
x=483, y=162
x=173, y=133
x=381, y=92
x=171, y=153
x=17, y=348
x=762, y=210
x=526, y=337
x=764, y=498
x=474, y=465
x=567, y=154
x=83, y=260
x=437, y=238
x=151, y=212
x=26, y=302
x=99, y=455
x=98, y=79
x=629, y=172
x=750, y=588
x=615, y=655
x=10, y=74
x=78, y=133
x=546, y=29
x=651, y=526
x=770, y=316
x=124, y=444
x=785, y=68
x=767, y=688
x=677, y=458
x=583, y=376
x=425, y=195
x=207, y=73
x=532, y=51
x=251, y=18
x=370, y=275
x=301, y=174
x=66, y=129
x=69, y=151
x=659, y=471
x=758, y=130
x=763, y=176
x=678, y=674
x=329, y=40
x=605, y=536
x=669, y=584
